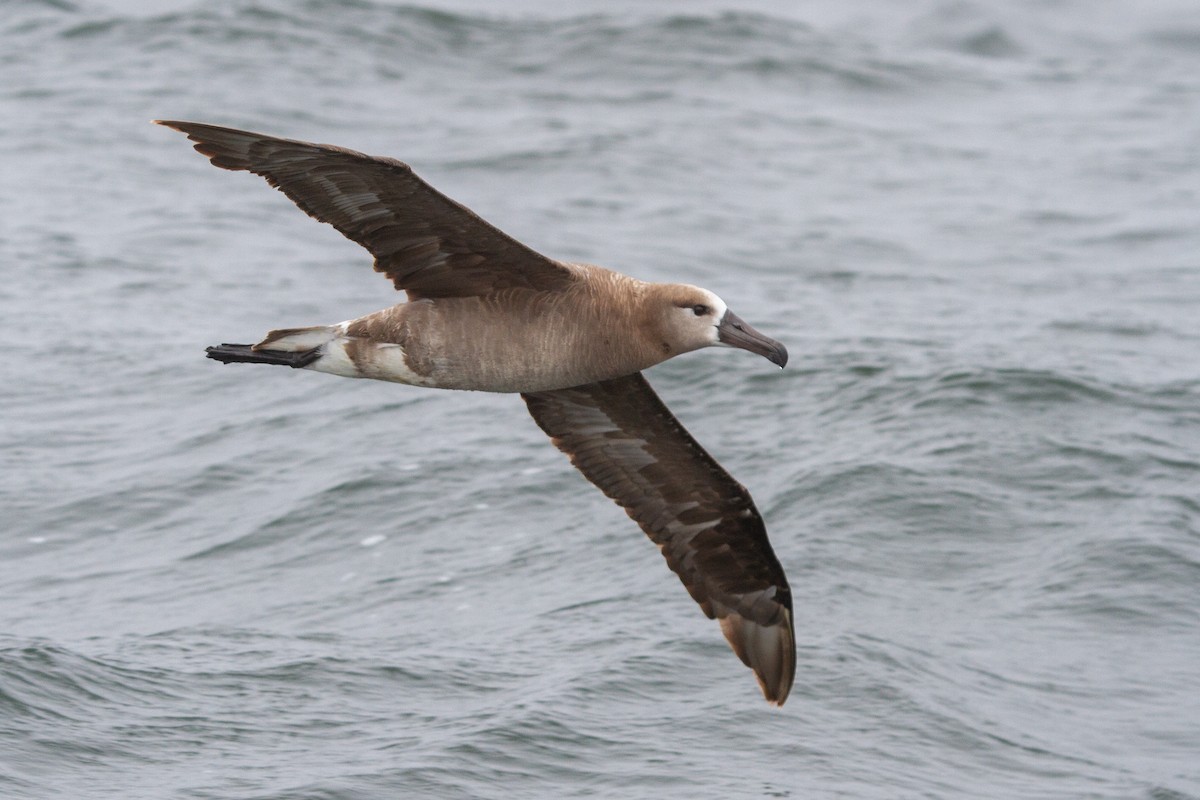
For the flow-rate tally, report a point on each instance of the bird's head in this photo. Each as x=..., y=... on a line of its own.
x=690, y=318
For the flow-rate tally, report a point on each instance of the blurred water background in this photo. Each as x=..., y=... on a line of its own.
x=975, y=225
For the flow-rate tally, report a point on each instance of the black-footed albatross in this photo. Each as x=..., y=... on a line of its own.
x=485, y=312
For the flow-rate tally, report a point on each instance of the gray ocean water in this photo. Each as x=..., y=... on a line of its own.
x=975, y=225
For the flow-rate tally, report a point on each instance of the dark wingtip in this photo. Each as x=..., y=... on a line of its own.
x=767, y=648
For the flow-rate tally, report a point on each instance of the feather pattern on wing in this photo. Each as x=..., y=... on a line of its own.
x=622, y=437
x=428, y=244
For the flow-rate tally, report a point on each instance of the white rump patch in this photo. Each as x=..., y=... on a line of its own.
x=374, y=360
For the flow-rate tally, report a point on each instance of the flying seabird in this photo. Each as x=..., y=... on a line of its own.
x=487, y=313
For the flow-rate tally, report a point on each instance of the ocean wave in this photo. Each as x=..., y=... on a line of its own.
x=340, y=36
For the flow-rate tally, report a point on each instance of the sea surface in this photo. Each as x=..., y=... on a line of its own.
x=975, y=225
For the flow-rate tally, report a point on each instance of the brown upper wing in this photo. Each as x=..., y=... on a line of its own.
x=425, y=242
x=625, y=440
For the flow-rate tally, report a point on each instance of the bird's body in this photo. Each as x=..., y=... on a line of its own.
x=516, y=340
x=487, y=313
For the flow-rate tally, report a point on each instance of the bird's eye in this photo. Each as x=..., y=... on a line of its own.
x=699, y=309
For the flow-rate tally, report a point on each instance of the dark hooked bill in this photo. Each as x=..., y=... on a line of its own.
x=736, y=333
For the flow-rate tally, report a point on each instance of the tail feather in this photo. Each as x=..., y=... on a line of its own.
x=245, y=353
x=289, y=347
x=298, y=339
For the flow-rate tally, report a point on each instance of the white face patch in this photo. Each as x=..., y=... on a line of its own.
x=719, y=308
x=693, y=331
